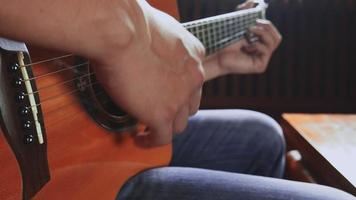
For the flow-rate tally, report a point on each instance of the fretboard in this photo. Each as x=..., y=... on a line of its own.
x=220, y=31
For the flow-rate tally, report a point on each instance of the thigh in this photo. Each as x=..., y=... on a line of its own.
x=181, y=183
x=239, y=141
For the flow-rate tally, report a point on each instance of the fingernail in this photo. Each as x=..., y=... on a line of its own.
x=261, y=21
x=253, y=28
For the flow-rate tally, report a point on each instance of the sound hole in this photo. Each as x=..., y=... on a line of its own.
x=105, y=101
x=99, y=105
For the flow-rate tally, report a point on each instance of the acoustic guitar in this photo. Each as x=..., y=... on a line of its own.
x=62, y=137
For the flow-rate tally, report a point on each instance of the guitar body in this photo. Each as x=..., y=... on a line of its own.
x=86, y=160
x=62, y=137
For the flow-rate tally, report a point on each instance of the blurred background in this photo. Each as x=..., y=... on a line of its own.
x=313, y=70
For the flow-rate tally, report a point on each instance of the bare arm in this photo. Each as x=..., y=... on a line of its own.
x=79, y=26
x=148, y=63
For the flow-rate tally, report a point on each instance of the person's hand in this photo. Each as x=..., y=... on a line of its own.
x=158, y=76
x=244, y=57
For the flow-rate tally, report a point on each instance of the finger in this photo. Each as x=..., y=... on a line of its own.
x=267, y=25
x=261, y=49
x=249, y=47
x=236, y=46
x=264, y=35
x=246, y=5
x=195, y=102
x=262, y=57
x=158, y=136
x=181, y=121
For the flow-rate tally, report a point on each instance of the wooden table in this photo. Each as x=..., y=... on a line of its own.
x=327, y=143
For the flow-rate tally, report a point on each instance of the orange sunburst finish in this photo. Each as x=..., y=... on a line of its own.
x=85, y=160
x=168, y=6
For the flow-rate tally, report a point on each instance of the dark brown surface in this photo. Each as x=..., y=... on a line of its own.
x=312, y=70
x=295, y=169
x=328, y=149
x=32, y=158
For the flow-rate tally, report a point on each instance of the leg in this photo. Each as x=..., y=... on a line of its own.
x=238, y=141
x=182, y=183
x=225, y=143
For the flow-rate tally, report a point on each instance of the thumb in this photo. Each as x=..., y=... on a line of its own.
x=246, y=5
x=159, y=135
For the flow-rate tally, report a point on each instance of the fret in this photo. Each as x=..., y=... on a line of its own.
x=218, y=32
x=199, y=32
x=214, y=37
x=210, y=39
x=206, y=34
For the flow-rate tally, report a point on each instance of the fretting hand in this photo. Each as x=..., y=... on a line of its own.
x=244, y=57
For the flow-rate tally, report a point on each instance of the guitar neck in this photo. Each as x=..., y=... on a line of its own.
x=220, y=31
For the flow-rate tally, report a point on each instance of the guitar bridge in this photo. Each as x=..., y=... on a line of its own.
x=21, y=117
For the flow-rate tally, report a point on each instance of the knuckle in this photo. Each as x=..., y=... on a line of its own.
x=261, y=68
x=180, y=45
x=199, y=78
x=280, y=38
x=197, y=71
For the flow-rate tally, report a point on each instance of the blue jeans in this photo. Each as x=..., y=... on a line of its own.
x=227, y=155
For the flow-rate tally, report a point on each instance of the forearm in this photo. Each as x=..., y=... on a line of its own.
x=212, y=67
x=86, y=27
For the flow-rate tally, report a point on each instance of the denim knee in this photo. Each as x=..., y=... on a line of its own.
x=267, y=131
x=270, y=144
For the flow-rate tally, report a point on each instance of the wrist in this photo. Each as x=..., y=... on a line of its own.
x=213, y=67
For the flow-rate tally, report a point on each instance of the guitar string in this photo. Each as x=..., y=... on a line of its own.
x=216, y=25
x=92, y=96
x=233, y=31
x=238, y=17
x=68, y=93
x=61, y=83
x=210, y=44
x=47, y=60
x=218, y=31
x=78, y=89
x=236, y=26
x=58, y=71
x=84, y=63
x=61, y=95
x=76, y=100
x=47, y=113
x=72, y=80
x=234, y=36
